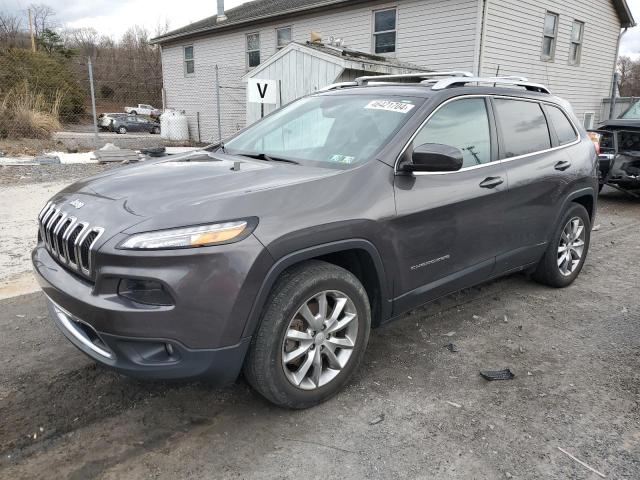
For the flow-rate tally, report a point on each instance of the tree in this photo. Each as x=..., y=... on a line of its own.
x=11, y=34
x=43, y=18
x=629, y=71
x=51, y=43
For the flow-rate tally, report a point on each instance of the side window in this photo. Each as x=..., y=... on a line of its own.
x=575, y=52
x=523, y=127
x=549, y=36
x=253, y=50
x=283, y=37
x=562, y=125
x=463, y=124
x=189, y=61
x=384, y=31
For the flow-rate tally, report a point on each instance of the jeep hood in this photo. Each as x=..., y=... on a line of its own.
x=194, y=186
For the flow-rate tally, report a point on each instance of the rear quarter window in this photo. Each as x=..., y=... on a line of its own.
x=523, y=127
x=563, y=127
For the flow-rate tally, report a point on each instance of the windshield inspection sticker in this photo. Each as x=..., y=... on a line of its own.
x=341, y=159
x=390, y=106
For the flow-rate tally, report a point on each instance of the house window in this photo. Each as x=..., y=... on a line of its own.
x=283, y=37
x=384, y=31
x=589, y=120
x=577, y=32
x=253, y=50
x=550, y=36
x=189, y=61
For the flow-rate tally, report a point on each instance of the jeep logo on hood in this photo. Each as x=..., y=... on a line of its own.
x=77, y=203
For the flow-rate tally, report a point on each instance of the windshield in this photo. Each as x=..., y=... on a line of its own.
x=633, y=112
x=336, y=129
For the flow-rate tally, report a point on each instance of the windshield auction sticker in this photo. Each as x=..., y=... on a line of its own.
x=389, y=106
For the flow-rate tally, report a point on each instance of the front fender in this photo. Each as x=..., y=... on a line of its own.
x=307, y=254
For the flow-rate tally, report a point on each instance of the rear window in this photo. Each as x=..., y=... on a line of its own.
x=523, y=126
x=628, y=141
x=562, y=125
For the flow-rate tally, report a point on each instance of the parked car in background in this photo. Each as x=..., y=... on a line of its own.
x=279, y=250
x=618, y=142
x=105, y=120
x=143, y=109
x=134, y=123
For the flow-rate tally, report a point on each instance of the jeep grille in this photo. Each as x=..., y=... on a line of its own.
x=70, y=241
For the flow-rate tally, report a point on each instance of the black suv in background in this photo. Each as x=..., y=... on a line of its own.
x=278, y=251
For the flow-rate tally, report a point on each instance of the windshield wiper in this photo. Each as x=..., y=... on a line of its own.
x=268, y=158
x=213, y=146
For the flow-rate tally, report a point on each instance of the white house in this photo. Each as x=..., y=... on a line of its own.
x=570, y=45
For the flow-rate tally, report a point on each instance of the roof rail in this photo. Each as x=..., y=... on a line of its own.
x=516, y=81
x=411, y=76
x=336, y=86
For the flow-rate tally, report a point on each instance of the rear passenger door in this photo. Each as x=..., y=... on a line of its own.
x=538, y=170
x=448, y=227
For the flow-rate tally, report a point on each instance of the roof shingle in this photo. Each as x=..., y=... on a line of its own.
x=247, y=13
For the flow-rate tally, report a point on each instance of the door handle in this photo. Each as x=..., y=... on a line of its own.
x=562, y=166
x=492, y=182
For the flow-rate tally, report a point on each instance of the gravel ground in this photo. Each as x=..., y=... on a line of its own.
x=415, y=410
x=29, y=174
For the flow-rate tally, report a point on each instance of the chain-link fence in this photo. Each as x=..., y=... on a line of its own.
x=115, y=98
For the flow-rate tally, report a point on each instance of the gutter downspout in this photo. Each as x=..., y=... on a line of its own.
x=614, y=82
x=481, y=32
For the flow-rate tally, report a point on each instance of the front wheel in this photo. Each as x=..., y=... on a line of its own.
x=312, y=337
x=567, y=250
x=122, y=130
x=156, y=130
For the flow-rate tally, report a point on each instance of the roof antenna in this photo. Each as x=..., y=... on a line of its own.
x=221, y=17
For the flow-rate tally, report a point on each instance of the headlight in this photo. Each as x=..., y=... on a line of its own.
x=188, y=237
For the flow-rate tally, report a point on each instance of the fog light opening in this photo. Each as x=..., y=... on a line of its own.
x=147, y=292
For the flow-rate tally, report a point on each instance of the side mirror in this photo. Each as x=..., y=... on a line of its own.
x=434, y=157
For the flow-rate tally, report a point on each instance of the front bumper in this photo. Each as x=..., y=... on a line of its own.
x=149, y=358
x=199, y=335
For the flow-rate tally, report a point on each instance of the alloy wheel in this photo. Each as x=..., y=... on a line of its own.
x=319, y=340
x=571, y=246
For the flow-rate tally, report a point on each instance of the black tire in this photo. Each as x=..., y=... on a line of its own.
x=548, y=272
x=156, y=130
x=122, y=130
x=133, y=112
x=264, y=368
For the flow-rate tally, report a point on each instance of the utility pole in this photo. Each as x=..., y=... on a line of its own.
x=93, y=103
x=33, y=39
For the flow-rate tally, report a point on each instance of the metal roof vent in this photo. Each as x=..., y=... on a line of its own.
x=221, y=17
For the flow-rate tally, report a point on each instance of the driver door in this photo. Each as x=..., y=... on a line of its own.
x=449, y=225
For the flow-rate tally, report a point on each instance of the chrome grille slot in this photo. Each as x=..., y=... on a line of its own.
x=69, y=241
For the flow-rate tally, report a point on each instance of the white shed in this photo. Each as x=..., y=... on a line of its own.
x=300, y=69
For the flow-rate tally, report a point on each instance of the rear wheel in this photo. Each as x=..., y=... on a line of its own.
x=156, y=130
x=312, y=337
x=567, y=250
x=133, y=112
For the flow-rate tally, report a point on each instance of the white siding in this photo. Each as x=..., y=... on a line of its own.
x=513, y=41
x=437, y=34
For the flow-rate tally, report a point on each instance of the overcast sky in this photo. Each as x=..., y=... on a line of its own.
x=113, y=17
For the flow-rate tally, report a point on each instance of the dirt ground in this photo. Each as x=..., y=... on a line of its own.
x=415, y=410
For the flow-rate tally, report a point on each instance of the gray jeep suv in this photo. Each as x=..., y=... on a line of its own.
x=276, y=252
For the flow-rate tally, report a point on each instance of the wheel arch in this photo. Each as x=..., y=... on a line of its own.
x=359, y=256
x=587, y=197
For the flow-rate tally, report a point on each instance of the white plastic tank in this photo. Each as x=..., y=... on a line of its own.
x=174, y=126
